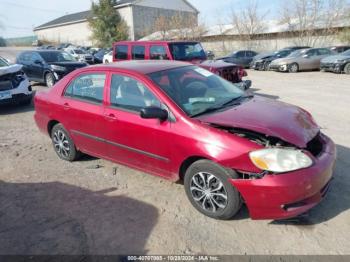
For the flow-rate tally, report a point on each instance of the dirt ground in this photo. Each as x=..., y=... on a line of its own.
x=92, y=206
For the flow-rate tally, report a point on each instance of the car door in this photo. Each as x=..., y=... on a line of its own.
x=25, y=60
x=308, y=60
x=82, y=107
x=321, y=53
x=132, y=140
x=37, y=67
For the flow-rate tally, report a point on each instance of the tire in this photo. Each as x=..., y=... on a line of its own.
x=49, y=79
x=293, y=68
x=63, y=144
x=347, y=68
x=106, y=61
x=267, y=66
x=204, y=175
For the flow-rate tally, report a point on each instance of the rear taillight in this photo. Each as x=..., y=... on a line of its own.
x=242, y=72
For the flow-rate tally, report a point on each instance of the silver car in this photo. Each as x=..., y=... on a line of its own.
x=301, y=60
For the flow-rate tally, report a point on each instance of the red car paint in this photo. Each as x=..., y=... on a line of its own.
x=231, y=72
x=160, y=148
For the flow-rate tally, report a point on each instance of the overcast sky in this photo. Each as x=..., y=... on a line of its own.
x=19, y=17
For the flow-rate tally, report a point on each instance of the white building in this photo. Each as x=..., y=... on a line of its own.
x=139, y=15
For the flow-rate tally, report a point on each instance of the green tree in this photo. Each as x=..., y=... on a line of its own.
x=106, y=24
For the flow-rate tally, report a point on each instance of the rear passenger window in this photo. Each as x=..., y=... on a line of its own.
x=138, y=52
x=121, y=52
x=87, y=87
x=130, y=94
x=158, y=52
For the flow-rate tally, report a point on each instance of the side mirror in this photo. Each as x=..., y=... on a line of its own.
x=154, y=113
x=306, y=56
x=38, y=62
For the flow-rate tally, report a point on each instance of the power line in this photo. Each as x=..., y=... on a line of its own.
x=34, y=8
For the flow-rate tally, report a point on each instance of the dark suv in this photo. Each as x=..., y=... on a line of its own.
x=47, y=66
x=191, y=52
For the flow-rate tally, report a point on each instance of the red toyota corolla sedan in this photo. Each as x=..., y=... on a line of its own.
x=181, y=122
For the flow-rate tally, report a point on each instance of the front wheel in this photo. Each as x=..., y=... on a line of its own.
x=209, y=191
x=293, y=68
x=347, y=68
x=267, y=66
x=49, y=80
x=63, y=144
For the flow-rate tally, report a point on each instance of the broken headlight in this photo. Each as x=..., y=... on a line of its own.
x=280, y=160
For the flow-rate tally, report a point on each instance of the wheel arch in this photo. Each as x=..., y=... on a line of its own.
x=187, y=163
x=50, y=125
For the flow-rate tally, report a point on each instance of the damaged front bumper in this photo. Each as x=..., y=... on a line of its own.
x=281, y=196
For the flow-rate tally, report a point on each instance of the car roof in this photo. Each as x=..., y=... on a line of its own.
x=142, y=66
x=155, y=42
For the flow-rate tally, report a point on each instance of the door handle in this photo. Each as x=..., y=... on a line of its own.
x=111, y=117
x=66, y=106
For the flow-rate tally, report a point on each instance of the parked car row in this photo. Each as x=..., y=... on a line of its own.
x=295, y=59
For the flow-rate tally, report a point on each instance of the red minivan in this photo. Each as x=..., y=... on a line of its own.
x=186, y=51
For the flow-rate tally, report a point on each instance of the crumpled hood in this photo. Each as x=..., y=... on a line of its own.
x=333, y=58
x=10, y=69
x=270, y=117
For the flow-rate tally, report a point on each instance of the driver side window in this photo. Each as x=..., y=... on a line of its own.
x=130, y=94
x=88, y=87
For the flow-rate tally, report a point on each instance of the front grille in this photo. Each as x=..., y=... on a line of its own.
x=10, y=81
x=5, y=85
x=327, y=65
x=315, y=146
x=230, y=74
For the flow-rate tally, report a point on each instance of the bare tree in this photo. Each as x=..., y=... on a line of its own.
x=314, y=22
x=178, y=26
x=162, y=26
x=248, y=22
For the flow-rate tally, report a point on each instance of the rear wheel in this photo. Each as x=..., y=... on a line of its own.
x=293, y=68
x=209, y=191
x=49, y=79
x=63, y=144
x=347, y=68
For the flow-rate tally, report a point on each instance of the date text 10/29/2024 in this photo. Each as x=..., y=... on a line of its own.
x=172, y=258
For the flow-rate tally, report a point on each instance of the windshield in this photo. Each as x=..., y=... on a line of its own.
x=283, y=53
x=3, y=62
x=196, y=90
x=347, y=53
x=187, y=51
x=298, y=53
x=57, y=57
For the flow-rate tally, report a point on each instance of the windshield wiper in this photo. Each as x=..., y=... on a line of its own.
x=208, y=110
x=232, y=102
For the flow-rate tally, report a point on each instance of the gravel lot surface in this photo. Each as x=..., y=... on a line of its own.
x=48, y=206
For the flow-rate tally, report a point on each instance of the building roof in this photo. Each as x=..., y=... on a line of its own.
x=76, y=17
x=83, y=16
